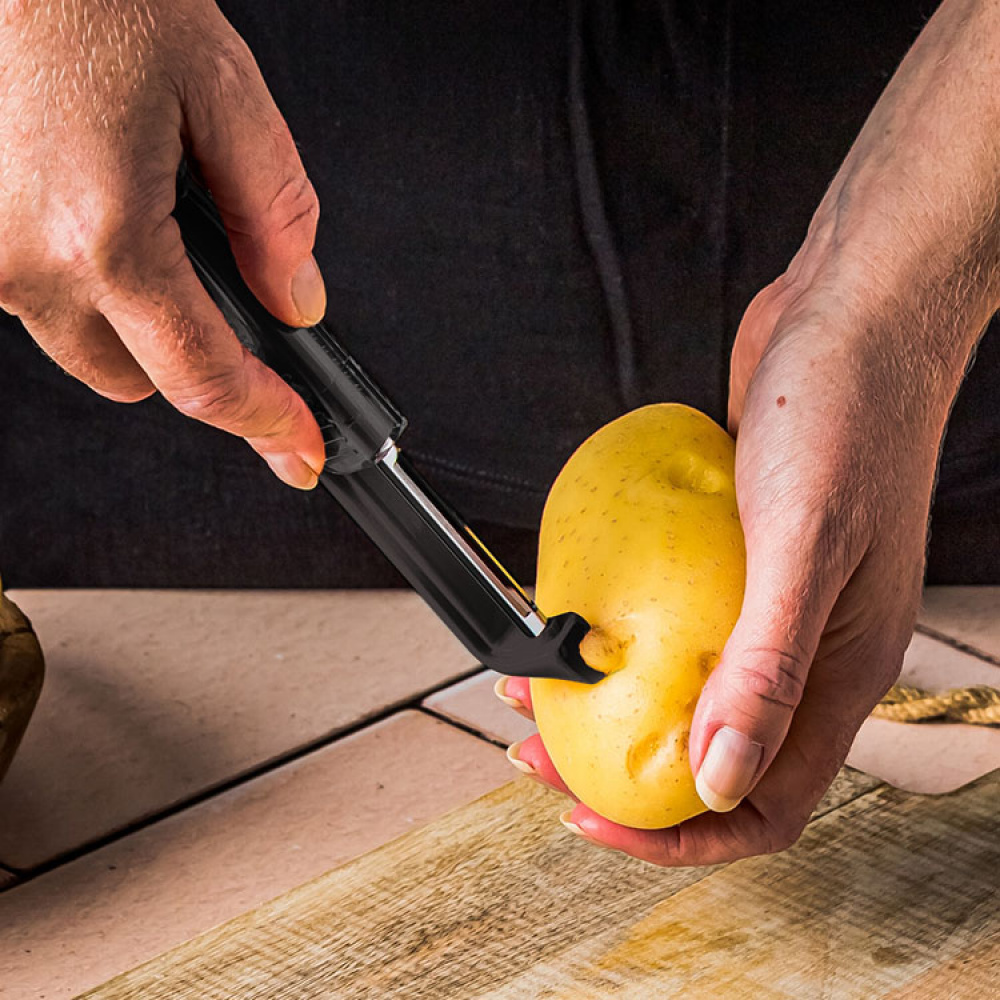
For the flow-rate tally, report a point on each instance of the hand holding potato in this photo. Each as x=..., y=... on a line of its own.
x=843, y=375
x=833, y=490
x=97, y=103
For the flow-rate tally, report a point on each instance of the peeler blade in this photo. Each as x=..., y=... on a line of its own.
x=457, y=575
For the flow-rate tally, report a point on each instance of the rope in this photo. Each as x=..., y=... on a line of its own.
x=979, y=706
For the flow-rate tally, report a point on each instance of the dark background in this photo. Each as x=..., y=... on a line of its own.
x=454, y=148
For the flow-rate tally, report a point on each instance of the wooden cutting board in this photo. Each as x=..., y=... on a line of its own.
x=887, y=894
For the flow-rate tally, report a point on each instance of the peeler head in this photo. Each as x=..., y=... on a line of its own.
x=554, y=653
x=457, y=575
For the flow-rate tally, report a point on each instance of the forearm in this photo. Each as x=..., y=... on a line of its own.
x=907, y=237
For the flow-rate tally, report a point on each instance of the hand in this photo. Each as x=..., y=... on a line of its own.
x=97, y=103
x=833, y=492
x=843, y=374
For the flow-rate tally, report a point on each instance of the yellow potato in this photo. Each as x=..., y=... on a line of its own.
x=640, y=535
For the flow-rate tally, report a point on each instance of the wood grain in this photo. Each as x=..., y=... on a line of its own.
x=496, y=901
x=973, y=974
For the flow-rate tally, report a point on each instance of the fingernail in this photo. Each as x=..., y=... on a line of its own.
x=564, y=818
x=730, y=764
x=309, y=292
x=290, y=469
x=522, y=766
x=500, y=690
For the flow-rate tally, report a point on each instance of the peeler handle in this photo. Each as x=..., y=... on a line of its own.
x=356, y=418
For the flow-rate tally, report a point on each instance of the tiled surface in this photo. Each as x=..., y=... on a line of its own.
x=93, y=918
x=969, y=614
x=938, y=758
x=930, y=760
x=936, y=666
x=472, y=703
x=152, y=696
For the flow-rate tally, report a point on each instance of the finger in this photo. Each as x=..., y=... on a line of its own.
x=772, y=817
x=515, y=693
x=170, y=325
x=534, y=758
x=85, y=346
x=249, y=161
x=813, y=752
x=858, y=659
x=748, y=701
x=708, y=839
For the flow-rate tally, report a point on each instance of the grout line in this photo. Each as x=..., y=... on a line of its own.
x=451, y=682
x=24, y=875
x=962, y=647
x=464, y=726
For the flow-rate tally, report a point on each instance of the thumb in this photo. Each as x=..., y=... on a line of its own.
x=748, y=701
x=269, y=207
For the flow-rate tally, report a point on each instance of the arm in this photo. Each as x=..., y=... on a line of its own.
x=906, y=240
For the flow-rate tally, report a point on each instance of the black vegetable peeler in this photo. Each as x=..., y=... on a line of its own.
x=426, y=541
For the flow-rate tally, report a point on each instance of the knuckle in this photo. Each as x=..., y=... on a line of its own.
x=109, y=259
x=294, y=205
x=767, y=305
x=127, y=255
x=774, y=676
x=216, y=398
x=92, y=241
x=38, y=302
x=272, y=418
x=12, y=291
x=26, y=286
x=231, y=63
x=88, y=240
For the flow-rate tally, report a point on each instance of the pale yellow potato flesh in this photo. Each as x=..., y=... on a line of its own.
x=640, y=535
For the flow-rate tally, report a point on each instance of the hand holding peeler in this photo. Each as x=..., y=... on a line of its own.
x=372, y=479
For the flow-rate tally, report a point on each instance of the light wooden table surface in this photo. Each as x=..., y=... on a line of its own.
x=887, y=894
